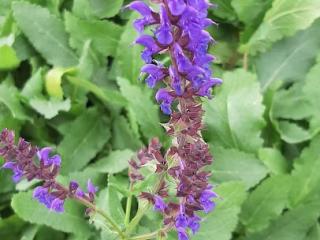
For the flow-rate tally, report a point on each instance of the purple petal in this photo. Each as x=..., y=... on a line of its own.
x=55, y=160
x=9, y=165
x=176, y=7
x=159, y=204
x=91, y=188
x=176, y=81
x=140, y=7
x=43, y=154
x=182, y=235
x=181, y=221
x=163, y=33
x=57, y=205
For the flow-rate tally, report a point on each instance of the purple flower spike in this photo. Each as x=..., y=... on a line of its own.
x=163, y=33
x=159, y=204
x=181, y=221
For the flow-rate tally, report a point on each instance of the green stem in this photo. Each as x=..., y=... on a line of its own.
x=141, y=211
x=113, y=225
x=151, y=235
x=128, y=207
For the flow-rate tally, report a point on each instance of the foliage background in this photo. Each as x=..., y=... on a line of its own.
x=69, y=78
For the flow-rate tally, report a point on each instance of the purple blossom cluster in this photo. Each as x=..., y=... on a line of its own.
x=178, y=31
x=27, y=161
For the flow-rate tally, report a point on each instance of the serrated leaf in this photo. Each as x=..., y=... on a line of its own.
x=128, y=63
x=104, y=34
x=9, y=96
x=45, y=32
x=293, y=225
x=274, y=160
x=115, y=162
x=49, y=108
x=221, y=222
x=140, y=103
x=71, y=221
x=266, y=202
x=84, y=139
x=234, y=165
x=289, y=59
x=9, y=59
x=228, y=122
x=285, y=18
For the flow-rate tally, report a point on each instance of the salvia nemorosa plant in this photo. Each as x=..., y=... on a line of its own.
x=178, y=32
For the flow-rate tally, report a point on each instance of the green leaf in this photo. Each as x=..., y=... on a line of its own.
x=306, y=174
x=106, y=8
x=84, y=139
x=49, y=108
x=104, y=34
x=9, y=59
x=33, y=87
x=290, y=108
x=139, y=102
x=53, y=81
x=232, y=165
x=274, y=160
x=9, y=96
x=266, y=202
x=293, y=225
x=228, y=121
x=284, y=60
x=314, y=233
x=106, y=95
x=224, y=10
x=71, y=221
x=128, y=62
x=115, y=162
x=285, y=18
x=30, y=233
x=123, y=136
x=221, y=222
x=45, y=32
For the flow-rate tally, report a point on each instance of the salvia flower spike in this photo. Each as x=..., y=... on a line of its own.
x=27, y=161
x=178, y=32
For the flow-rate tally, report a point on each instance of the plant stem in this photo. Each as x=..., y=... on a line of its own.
x=141, y=211
x=151, y=235
x=128, y=207
x=113, y=225
x=245, y=61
